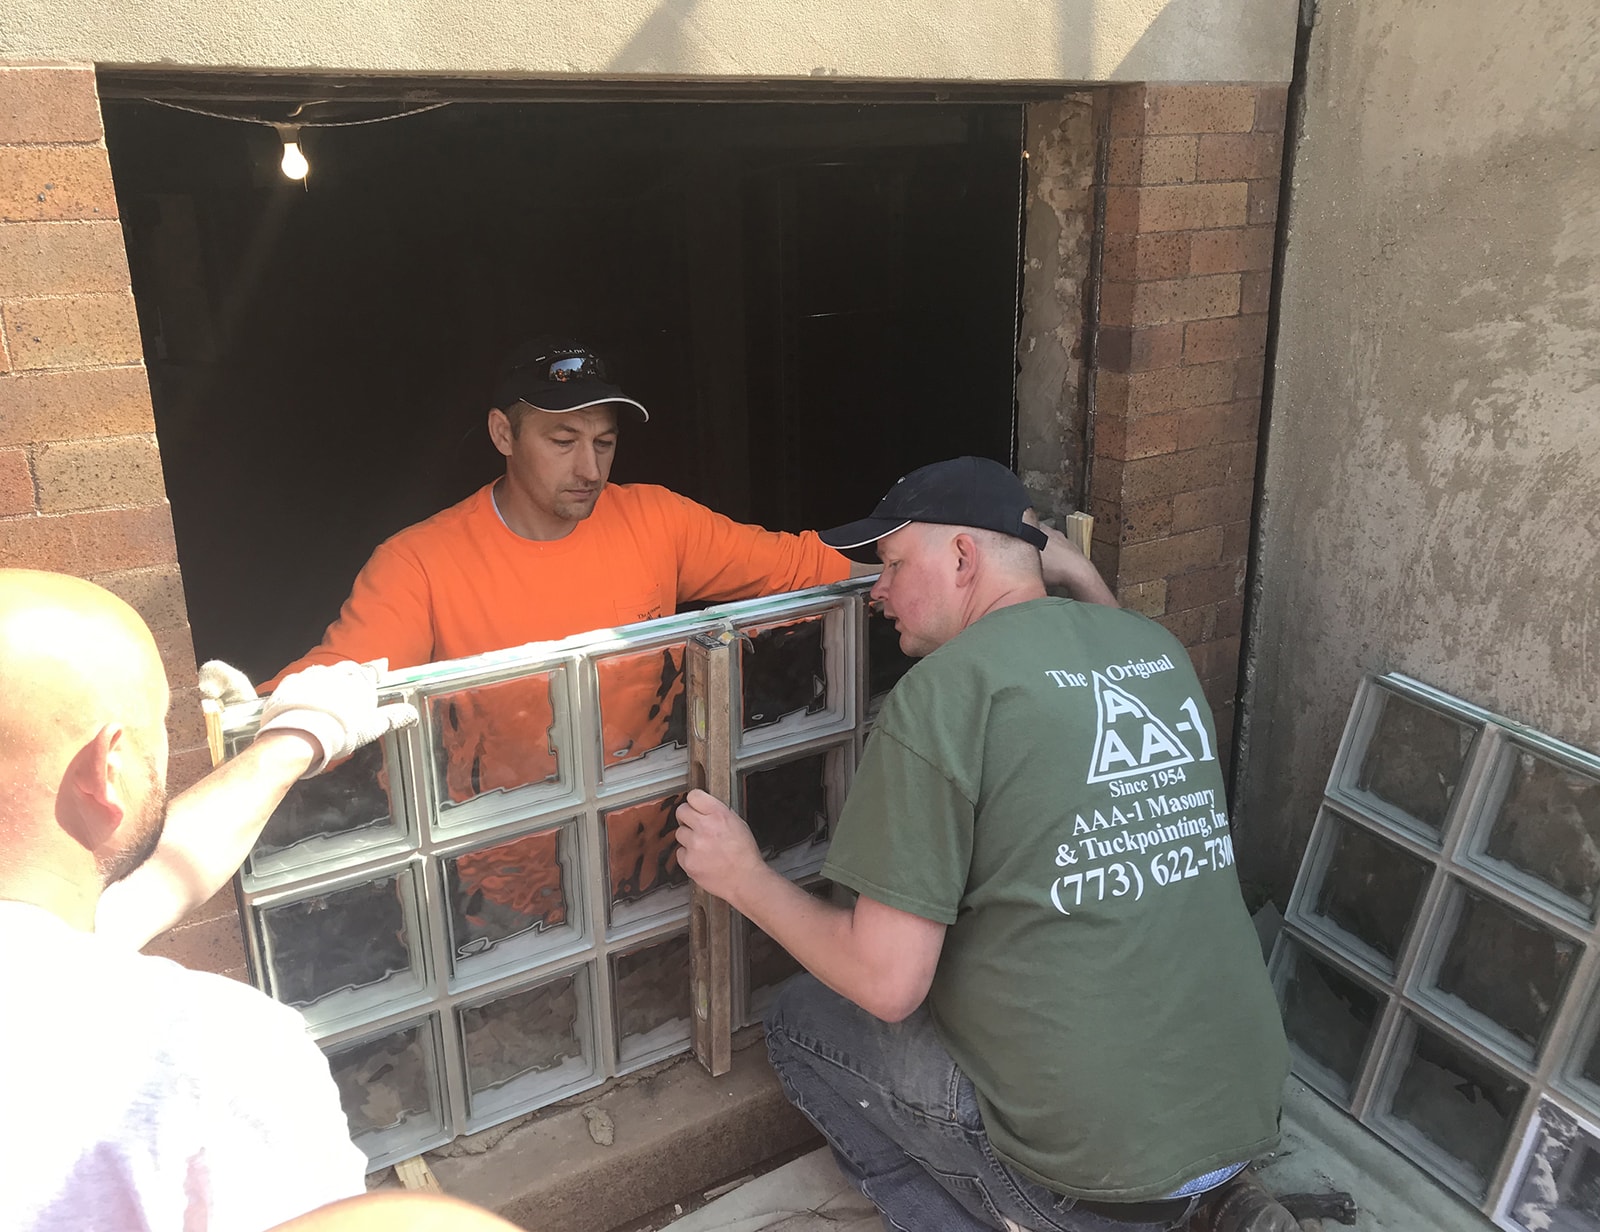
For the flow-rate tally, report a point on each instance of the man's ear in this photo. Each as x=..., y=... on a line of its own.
x=966, y=550
x=92, y=806
x=500, y=431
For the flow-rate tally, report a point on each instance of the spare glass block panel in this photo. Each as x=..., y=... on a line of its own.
x=1505, y=966
x=886, y=662
x=1329, y=1017
x=642, y=859
x=642, y=713
x=783, y=670
x=787, y=807
x=513, y=900
x=389, y=1087
x=1548, y=827
x=527, y=1045
x=497, y=737
x=343, y=811
x=345, y=951
x=650, y=997
x=1558, y=1187
x=1372, y=889
x=1458, y=1102
x=1414, y=761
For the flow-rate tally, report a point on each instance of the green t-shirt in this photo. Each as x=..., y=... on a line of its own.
x=1046, y=784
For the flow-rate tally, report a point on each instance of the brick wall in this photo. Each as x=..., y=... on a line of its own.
x=1190, y=214
x=81, y=488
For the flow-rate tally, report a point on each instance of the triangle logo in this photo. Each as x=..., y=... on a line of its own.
x=1129, y=739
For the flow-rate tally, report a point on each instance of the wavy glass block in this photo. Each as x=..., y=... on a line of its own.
x=528, y=1046
x=650, y=998
x=345, y=952
x=513, y=900
x=783, y=671
x=1548, y=828
x=1557, y=1184
x=1507, y=967
x=1329, y=1017
x=768, y=963
x=1414, y=761
x=343, y=812
x=1458, y=1102
x=642, y=859
x=498, y=738
x=642, y=712
x=886, y=662
x=789, y=808
x=389, y=1088
x=1371, y=889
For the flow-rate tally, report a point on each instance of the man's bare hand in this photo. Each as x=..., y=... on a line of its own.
x=716, y=847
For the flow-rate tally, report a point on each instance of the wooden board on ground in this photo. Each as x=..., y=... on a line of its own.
x=708, y=667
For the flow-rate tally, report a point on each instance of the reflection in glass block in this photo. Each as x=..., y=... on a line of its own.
x=1459, y=1103
x=1559, y=1188
x=389, y=1088
x=886, y=662
x=787, y=804
x=350, y=801
x=651, y=998
x=768, y=963
x=515, y=889
x=1414, y=760
x=1506, y=967
x=1549, y=827
x=642, y=857
x=641, y=704
x=349, y=939
x=783, y=670
x=524, y=1044
x=1329, y=1016
x=1372, y=889
x=495, y=737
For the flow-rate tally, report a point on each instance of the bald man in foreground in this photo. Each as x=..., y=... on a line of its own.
x=137, y=1093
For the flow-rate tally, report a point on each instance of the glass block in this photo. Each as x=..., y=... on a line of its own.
x=497, y=737
x=342, y=812
x=642, y=859
x=783, y=671
x=1459, y=1103
x=886, y=662
x=768, y=963
x=345, y=952
x=1557, y=1188
x=1372, y=889
x=788, y=807
x=389, y=1087
x=1505, y=966
x=650, y=997
x=527, y=1047
x=1548, y=828
x=514, y=900
x=642, y=715
x=1414, y=761
x=1329, y=1017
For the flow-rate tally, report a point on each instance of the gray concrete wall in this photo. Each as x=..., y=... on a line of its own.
x=1432, y=499
x=915, y=40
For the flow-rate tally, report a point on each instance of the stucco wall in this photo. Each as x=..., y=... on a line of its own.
x=1432, y=497
x=918, y=40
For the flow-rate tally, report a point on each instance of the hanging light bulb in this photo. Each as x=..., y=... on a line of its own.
x=294, y=162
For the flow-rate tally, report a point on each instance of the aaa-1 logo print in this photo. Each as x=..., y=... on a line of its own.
x=1131, y=739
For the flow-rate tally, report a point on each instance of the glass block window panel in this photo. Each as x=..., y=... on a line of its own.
x=512, y=900
x=1329, y=1017
x=1506, y=967
x=1548, y=828
x=389, y=1087
x=886, y=663
x=1415, y=760
x=1557, y=1186
x=783, y=671
x=642, y=716
x=650, y=997
x=1371, y=890
x=345, y=951
x=768, y=963
x=1461, y=1105
x=342, y=812
x=526, y=1045
x=642, y=859
x=788, y=807
x=497, y=737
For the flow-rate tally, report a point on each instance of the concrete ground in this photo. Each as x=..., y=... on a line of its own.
x=1322, y=1149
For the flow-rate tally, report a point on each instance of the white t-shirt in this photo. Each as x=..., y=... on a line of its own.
x=139, y=1096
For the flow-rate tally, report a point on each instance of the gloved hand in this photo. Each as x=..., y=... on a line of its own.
x=336, y=704
x=225, y=685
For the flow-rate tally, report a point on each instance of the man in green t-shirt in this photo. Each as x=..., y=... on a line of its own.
x=1047, y=1007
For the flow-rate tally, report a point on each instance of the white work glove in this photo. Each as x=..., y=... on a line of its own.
x=225, y=685
x=336, y=704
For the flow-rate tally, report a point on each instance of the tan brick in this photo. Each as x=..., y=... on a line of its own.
x=1176, y=554
x=1213, y=506
x=1110, y=394
x=222, y=905
x=1227, y=252
x=48, y=103
x=1206, y=342
x=1238, y=156
x=1146, y=598
x=94, y=474
x=156, y=593
x=1216, y=659
x=1272, y=106
x=1199, y=625
x=1168, y=474
x=1236, y=541
x=41, y=183
x=186, y=722
x=1249, y=377
x=1200, y=109
x=89, y=543
x=1220, y=692
x=1229, y=423
x=212, y=945
x=1152, y=160
x=1145, y=520
x=1124, y=349
x=1185, y=299
x=1105, y=484
x=1206, y=586
x=16, y=483
x=1262, y=207
x=1176, y=207
x=5, y=359
x=1116, y=303
x=1141, y=258
x=55, y=406
x=1103, y=555
x=61, y=258
x=1169, y=389
x=77, y=331
x=1127, y=110
x=1137, y=436
x=1255, y=291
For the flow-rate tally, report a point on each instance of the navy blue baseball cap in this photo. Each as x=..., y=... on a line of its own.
x=557, y=377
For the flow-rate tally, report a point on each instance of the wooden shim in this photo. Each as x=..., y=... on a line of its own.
x=212, y=709
x=707, y=685
x=415, y=1174
x=1080, y=530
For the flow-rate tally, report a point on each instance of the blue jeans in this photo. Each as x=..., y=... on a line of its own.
x=903, y=1121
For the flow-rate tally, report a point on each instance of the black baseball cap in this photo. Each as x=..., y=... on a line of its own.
x=555, y=377
x=975, y=492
